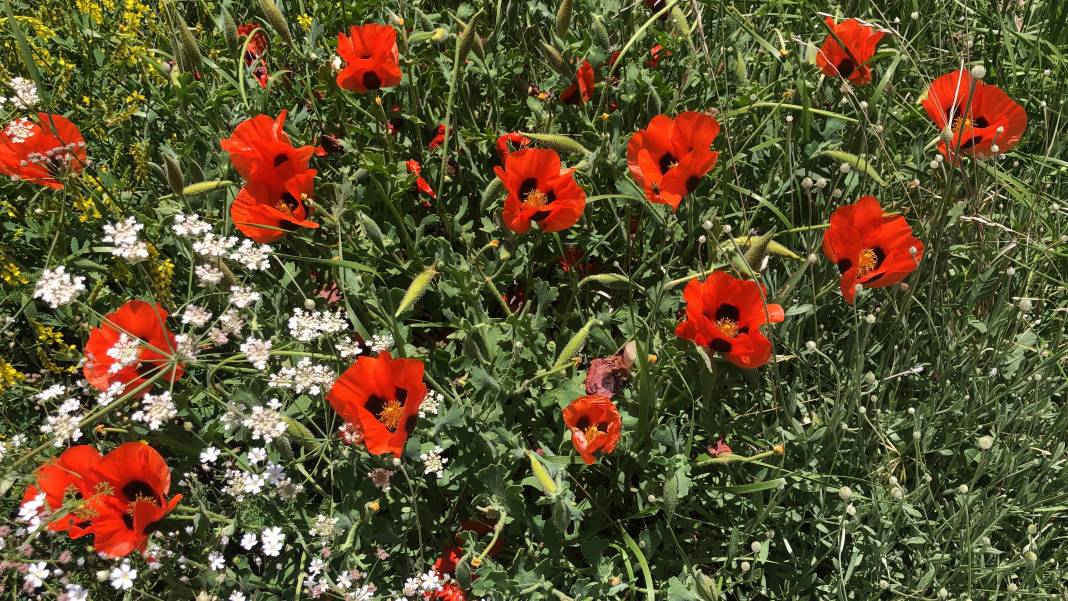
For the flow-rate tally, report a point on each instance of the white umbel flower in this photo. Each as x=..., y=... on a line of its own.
x=125, y=238
x=57, y=287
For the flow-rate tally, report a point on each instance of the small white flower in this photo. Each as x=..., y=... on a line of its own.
x=211, y=246
x=196, y=316
x=189, y=226
x=243, y=296
x=216, y=561
x=431, y=582
x=433, y=462
x=20, y=130
x=107, y=396
x=257, y=351
x=248, y=541
x=266, y=423
x=431, y=403
x=76, y=592
x=63, y=427
x=231, y=321
x=237, y=596
x=349, y=347
x=209, y=456
x=381, y=342
x=272, y=540
x=156, y=409
x=208, y=275
x=36, y=574
x=126, y=352
x=307, y=326
x=125, y=238
x=123, y=577
x=336, y=63
x=25, y=96
x=53, y=391
x=257, y=455
x=57, y=288
x=304, y=377
x=253, y=256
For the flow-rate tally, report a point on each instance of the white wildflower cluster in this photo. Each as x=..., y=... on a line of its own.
x=266, y=423
x=23, y=93
x=230, y=324
x=272, y=478
x=125, y=238
x=257, y=351
x=185, y=348
x=304, y=377
x=307, y=326
x=252, y=256
x=63, y=425
x=349, y=347
x=189, y=226
x=272, y=540
x=381, y=342
x=350, y=433
x=243, y=296
x=211, y=246
x=57, y=287
x=104, y=398
x=31, y=512
x=196, y=316
x=324, y=528
x=208, y=275
x=19, y=130
x=431, y=404
x=434, y=462
x=10, y=444
x=156, y=409
x=126, y=352
x=429, y=582
x=52, y=392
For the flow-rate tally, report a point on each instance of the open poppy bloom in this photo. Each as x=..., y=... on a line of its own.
x=421, y=184
x=381, y=395
x=261, y=152
x=670, y=156
x=539, y=191
x=870, y=248
x=138, y=480
x=265, y=214
x=983, y=120
x=43, y=151
x=255, y=51
x=71, y=476
x=595, y=425
x=724, y=314
x=129, y=346
x=581, y=90
x=505, y=141
x=849, y=62
x=372, y=60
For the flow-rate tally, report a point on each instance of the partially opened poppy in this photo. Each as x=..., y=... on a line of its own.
x=421, y=184
x=670, y=156
x=255, y=51
x=595, y=425
x=129, y=346
x=539, y=191
x=41, y=151
x=381, y=395
x=724, y=315
x=979, y=119
x=869, y=248
x=505, y=141
x=69, y=477
x=139, y=480
x=657, y=54
x=261, y=152
x=372, y=60
x=849, y=61
x=265, y=214
x=581, y=90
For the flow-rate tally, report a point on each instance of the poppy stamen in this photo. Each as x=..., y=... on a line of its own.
x=391, y=414
x=869, y=260
x=728, y=327
x=535, y=199
x=591, y=433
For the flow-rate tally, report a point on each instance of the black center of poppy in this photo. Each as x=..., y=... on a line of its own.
x=972, y=141
x=401, y=395
x=583, y=423
x=145, y=368
x=371, y=80
x=127, y=519
x=280, y=158
x=691, y=183
x=138, y=489
x=375, y=404
x=290, y=201
x=288, y=226
x=844, y=265
x=529, y=185
x=541, y=215
x=981, y=122
x=720, y=345
x=366, y=55
x=666, y=162
x=846, y=67
x=726, y=311
x=153, y=527
x=409, y=424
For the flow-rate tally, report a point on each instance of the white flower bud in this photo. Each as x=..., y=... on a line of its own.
x=985, y=442
x=845, y=493
x=978, y=72
x=963, y=489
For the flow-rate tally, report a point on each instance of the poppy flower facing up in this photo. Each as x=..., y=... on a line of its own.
x=869, y=248
x=979, y=122
x=851, y=61
x=265, y=214
x=43, y=151
x=255, y=51
x=670, y=156
x=539, y=191
x=372, y=60
x=581, y=90
x=724, y=315
x=71, y=475
x=138, y=479
x=129, y=346
x=595, y=425
x=261, y=152
x=381, y=395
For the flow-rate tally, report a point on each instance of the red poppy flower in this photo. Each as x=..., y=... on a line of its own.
x=261, y=152
x=595, y=425
x=870, y=248
x=255, y=51
x=670, y=156
x=420, y=184
x=71, y=475
x=438, y=139
x=539, y=191
x=265, y=214
x=850, y=62
x=138, y=479
x=572, y=261
x=129, y=346
x=724, y=314
x=371, y=58
x=381, y=395
x=978, y=123
x=504, y=142
x=581, y=90
x=658, y=54
x=41, y=151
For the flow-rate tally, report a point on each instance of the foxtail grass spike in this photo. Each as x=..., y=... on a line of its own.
x=274, y=16
x=174, y=174
x=574, y=345
x=563, y=17
x=416, y=289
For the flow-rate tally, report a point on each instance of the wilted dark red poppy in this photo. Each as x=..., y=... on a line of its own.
x=381, y=395
x=851, y=61
x=581, y=90
x=70, y=476
x=265, y=214
x=670, y=156
x=255, y=51
x=505, y=141
x=595, y=425
x=372, y=60
x=139, y=480
x=438, y=139
x=41, y=151
x=129, y=346
x=607, y=375
x=421, y=184
x=981, y=118
x=539, y=191
x=724, y=314
x=571, y=260
x=261, y=152
x=870, y=248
